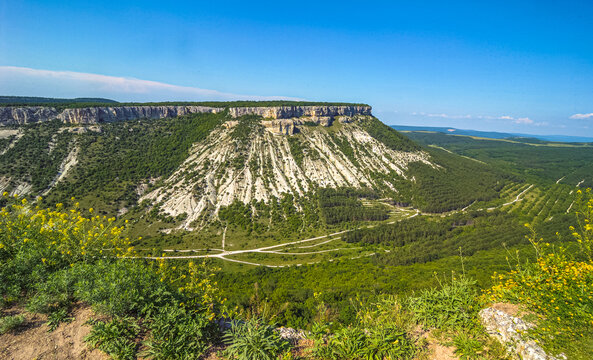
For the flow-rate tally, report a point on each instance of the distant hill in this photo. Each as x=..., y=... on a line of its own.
x=30, y=100
x=495, y=135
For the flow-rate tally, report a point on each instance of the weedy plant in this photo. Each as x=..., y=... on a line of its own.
x=454, y=305
x=10, y=323
x=176, y=333
x=254, y=340
x=115, y=337
x=451, y=312
x=54, y=319
x=381, y=332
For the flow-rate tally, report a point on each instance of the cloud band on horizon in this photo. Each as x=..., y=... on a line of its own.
x=25, y=81
x=582, y=116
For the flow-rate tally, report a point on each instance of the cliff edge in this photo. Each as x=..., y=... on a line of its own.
x=14, y=116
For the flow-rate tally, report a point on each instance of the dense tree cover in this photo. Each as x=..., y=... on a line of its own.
x=122, y=155
x=287, y=293
x=421, y=239
x=544, y=163
x=388, y=136
x=278, y=216
x=297, y=150
x=454, y=184
x=36, y=157
x=343, y=205
x=34, y=100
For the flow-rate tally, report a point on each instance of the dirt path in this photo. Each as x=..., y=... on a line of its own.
x=273, y=249
x=518, y=198
x=33, y=341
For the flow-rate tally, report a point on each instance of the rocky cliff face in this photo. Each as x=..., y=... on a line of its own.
x=123, y=113
x=93, y=115
x=265, y=165
x=287, y=112
x=26, y=115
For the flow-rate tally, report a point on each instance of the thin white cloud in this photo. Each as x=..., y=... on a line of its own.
x=523, y=120
x=582, y=116
x=444, y=116
x=35, y=82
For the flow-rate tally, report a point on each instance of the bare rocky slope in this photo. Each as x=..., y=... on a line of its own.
x=288, y=156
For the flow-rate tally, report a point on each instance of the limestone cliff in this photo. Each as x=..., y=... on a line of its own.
x=92, y=115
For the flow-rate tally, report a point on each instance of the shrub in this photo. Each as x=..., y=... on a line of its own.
x=115, y=337
x=381, y=332
x=54, y=294
x=35, y=242
x=452, y=306
x=9, y=323
x=254, y=340
x=122, y=287
x=377, y=343
x=179, y=334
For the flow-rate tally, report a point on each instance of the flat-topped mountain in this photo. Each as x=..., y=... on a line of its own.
x=189, y=162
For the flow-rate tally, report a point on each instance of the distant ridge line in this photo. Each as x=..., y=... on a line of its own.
x=494, y=134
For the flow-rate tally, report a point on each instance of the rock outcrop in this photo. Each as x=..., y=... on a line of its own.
x=507, y=329
x=96, y=115
x=25, y=115
x=287, y=112
x=323, y=115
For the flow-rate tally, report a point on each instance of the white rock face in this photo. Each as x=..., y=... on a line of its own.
x=219, y=170
x=123, y=113
x=92, y=115
x=26, y=115
x=507, y=329
x=286, y=112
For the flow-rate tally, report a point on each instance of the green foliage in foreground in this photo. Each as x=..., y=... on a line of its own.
x=254, y=340
x=10, y=323
x=52, y=259
x=453, y=305
x=557, y=287
x=114, y=337
x=382, y=331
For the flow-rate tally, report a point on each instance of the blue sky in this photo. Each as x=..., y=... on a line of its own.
x=513, y=66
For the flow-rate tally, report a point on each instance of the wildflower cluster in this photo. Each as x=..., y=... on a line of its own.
x=558, y=286
x=195, y=284
x=59, y=235
x=36, y=241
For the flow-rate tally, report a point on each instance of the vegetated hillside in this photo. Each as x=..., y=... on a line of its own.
x=571, y=163
x=184, y=170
